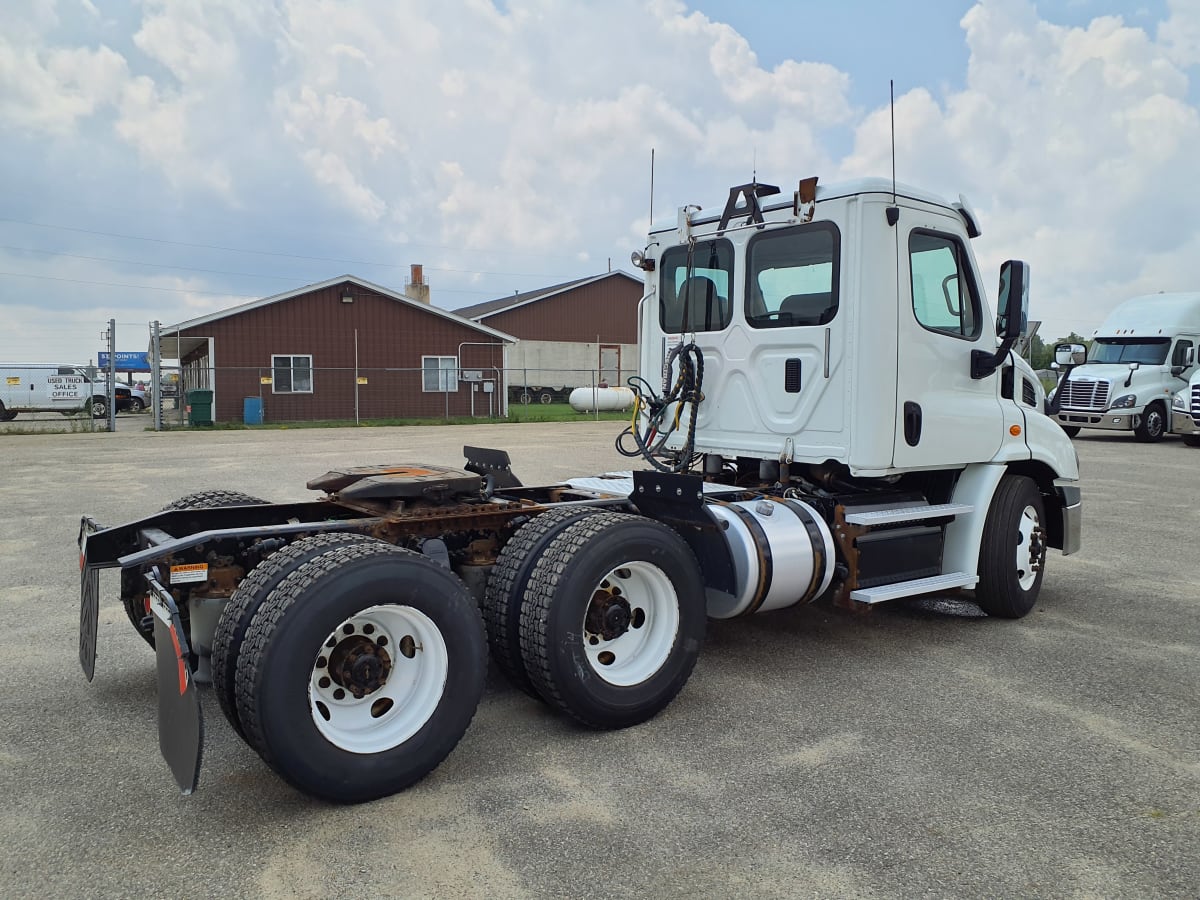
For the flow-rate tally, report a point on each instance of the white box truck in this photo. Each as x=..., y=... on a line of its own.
x=1140, y=357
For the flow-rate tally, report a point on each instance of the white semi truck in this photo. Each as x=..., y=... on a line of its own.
x=1185, y=412
x=1140, y=357
x=828, y=408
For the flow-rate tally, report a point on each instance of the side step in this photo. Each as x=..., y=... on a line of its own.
x=915, y=587
x=907, y=514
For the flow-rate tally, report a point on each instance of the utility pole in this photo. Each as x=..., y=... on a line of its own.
x=111, y=334
x=156, y=372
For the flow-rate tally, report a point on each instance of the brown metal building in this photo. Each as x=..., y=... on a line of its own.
x=341, y=349
x=570, y=333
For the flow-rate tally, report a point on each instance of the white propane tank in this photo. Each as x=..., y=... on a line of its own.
x=782, y=553
x=602, y=399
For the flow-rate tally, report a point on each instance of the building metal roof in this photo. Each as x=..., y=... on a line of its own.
x=504, y=304
x=457, y=317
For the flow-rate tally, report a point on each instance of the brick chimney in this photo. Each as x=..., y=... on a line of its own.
x=417, y=289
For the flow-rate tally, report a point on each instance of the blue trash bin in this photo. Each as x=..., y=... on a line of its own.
x=252, y=411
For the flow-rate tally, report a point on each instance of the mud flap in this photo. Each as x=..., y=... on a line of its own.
x=89, y=602
x=180, y=721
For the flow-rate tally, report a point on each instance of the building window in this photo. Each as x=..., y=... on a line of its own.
x=439, y=374
x=291, y=374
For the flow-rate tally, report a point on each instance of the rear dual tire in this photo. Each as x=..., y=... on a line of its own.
x=360, y=671
x=613, y=619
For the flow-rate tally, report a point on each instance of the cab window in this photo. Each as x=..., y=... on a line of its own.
x=944, y=296
x=792, y=277
x=695, y=292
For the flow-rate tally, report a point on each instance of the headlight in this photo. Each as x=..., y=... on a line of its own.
x=1124, y=402
x=1179, y=403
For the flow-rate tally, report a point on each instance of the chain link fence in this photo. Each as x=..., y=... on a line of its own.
x=199, y=395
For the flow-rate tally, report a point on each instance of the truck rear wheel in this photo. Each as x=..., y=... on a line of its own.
x=245, y=602
x=508, y=582
x=613, y=620
x=1012, y=555
x=1153, y=425
x=133, y=585
x=361, y=671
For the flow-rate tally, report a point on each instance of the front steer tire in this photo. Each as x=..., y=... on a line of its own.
x=613, y=620
x=1153, y=425
x=386, y=623
x=245, y=602
x=1012, y=554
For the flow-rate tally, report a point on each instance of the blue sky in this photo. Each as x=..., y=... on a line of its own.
x=165, y=160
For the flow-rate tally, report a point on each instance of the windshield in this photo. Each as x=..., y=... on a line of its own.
x=1147, y=351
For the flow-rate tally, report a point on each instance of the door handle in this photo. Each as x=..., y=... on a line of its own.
x=912, y=423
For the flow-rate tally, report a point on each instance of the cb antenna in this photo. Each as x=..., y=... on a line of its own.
x=651, y=187
x=893, y=211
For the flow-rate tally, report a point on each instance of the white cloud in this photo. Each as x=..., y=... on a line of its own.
x=478, y=134
x=1076, y=145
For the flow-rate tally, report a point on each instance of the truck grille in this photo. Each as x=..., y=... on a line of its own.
x=1083, y=393
x=1196, y=403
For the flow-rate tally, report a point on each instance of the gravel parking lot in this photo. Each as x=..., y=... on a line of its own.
x=921, y=750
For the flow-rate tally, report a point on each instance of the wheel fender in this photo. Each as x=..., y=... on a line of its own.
x=976, y=486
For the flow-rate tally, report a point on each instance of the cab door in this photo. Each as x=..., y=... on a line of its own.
x=943, y=416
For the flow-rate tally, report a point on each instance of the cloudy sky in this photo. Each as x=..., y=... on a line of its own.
x=163, y=159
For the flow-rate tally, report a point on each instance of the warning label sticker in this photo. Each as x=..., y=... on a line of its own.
x=189, y=573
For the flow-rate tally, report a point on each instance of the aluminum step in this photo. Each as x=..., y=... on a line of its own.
x=908, y=513
x=913, y=588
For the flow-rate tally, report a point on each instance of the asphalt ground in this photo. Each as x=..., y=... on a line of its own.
x=921, y=750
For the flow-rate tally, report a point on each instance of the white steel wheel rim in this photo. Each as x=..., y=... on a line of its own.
x=387, y=715
x=646, y=643
x=1028, y=528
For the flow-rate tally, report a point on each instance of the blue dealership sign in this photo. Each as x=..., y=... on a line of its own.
x=126, y=362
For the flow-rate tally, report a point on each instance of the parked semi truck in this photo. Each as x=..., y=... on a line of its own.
x=1139, y=358
x=1185, y=412
x=827, y=408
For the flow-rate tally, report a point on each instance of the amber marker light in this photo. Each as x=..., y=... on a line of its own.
x=1014, y=430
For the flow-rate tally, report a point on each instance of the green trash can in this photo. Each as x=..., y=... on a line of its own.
x=199, y=407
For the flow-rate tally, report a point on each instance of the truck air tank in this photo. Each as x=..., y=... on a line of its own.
x=603, y=399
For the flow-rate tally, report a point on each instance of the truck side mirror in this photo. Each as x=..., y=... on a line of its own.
x=1013, y=302
x=1069, y=354
x=1012, y=320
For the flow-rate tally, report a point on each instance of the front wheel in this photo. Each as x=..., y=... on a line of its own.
x=613, y=620
x=136, y=405
x=1192, y=440
x=1012, y=556
x=1153, y=425
x=361, y=671
x=98, y=407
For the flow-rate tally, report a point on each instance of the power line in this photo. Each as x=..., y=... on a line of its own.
x=148, y=287
x=134, y=262
x=334, y=259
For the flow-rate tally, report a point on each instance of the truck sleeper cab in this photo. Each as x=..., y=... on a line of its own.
x=1142, y=354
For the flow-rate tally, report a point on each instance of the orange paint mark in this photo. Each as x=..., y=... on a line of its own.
x=182, y=665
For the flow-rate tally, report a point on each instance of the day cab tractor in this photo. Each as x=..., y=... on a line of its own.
x=827, y=408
